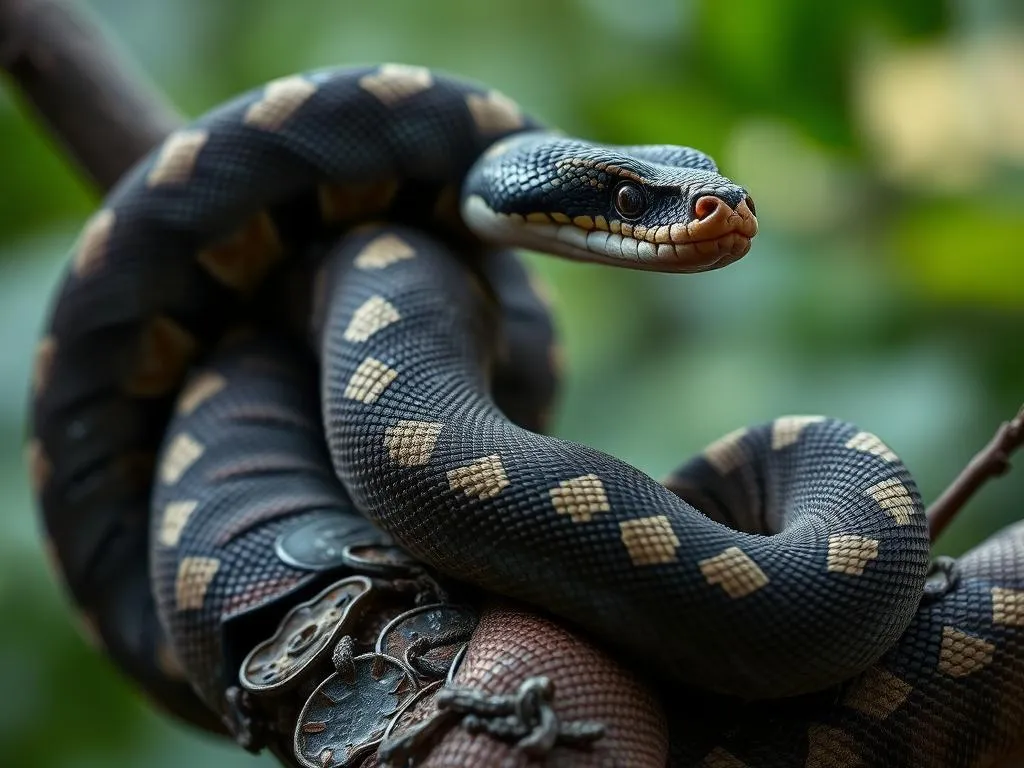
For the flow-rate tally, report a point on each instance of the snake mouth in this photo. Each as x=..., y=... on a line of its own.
x=718, y=235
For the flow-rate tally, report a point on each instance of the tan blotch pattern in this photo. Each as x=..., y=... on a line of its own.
x=849, y=553
x=199, y=390
x=869, y=443
x=177, y=158
x=878, y=693
x=42, y=367
x=375, y=314
x=786, y=430
x=183, y=452
x=894, y=497
x=411, y=443
x=384, y=251
x=494, y=113
x=649, y=540
x=830, y=747
x=721, y=758
x=1008, y=606
x=92, y=244
x=165, y=350
x=580, y=498
x=39, y=467
x=369, y=381
x=349, y=202
x=961, y=654
x=484, y=478
x=242, y=260
x=733, y=571
x=281, y=99
x=394, y=82
x=726, y=453
x=194, y=577
x=174, y=520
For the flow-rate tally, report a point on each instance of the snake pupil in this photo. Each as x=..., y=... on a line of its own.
x=630, y=200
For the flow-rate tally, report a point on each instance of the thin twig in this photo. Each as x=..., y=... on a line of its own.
x=95, y=106
x=991, y=461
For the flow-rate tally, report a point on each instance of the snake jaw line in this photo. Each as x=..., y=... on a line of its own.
x=568, y=239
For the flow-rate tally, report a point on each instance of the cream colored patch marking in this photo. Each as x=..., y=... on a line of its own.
x=92, y=243
x=369, y=381
x=175, y=518
x=786, y=430
x=849, y=553
x=375, y=314
x=830, y=747
x=165, y=349
x=39, y=467
x=733, y=571
x=727, y=453
x=878, y=693
x=242, y=260
x=349, y=202
x=1007, y=606
x=961, y=654
x=177, y=158
x=42, y=366
x=494, y=113
x=199, y=390
x=394, y=82
x=384, y=251
x=580, y=498
x=869, y=443
x=649, y=540
x=894, y=497
x=411, y=443
x=183, y=452
x=281, y=99
x=721, y=758
x=484, y=478
x=194, y=577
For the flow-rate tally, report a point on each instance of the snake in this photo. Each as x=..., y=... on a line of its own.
x=302, y=309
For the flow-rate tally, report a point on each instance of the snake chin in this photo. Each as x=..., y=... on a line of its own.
x=730, y=243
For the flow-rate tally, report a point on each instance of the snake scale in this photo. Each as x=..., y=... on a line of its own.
x=294, y=323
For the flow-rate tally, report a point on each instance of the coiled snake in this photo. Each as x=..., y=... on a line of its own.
x=788, y=562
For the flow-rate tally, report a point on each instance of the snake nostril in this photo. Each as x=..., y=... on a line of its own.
x=705, y=206
x=750, y=204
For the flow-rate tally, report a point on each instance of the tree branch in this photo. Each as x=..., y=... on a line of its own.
x=991, y=461
x=102, y=115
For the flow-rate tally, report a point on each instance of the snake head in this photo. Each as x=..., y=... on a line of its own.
x=661, y=208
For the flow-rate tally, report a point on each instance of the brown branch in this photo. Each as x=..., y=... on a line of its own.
x=991, y=461
x=103, y=115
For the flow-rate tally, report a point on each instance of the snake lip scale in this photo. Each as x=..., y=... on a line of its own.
x=786, y=558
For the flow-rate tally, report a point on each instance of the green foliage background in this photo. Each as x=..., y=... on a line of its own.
x=883, y=141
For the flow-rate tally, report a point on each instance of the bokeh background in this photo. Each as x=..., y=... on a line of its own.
x=883, y=141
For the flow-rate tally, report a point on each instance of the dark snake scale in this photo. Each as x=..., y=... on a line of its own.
x=294, y=316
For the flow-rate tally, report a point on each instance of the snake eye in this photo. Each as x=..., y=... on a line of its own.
x=630, y=200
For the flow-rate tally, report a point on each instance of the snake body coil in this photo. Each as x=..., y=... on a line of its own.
x=787, y=559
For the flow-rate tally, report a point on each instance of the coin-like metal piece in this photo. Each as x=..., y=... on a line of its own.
x=319, y=544
x=428, y=638
x=346, y=717
x=380, y=560
x=305, y=634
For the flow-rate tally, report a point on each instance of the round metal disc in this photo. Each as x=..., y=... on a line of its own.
x=305, y=634
x=345, y=718
x=319, y=544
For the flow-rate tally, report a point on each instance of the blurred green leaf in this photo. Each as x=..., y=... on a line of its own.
x=964, y=252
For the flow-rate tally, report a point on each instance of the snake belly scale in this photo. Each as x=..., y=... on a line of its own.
x=785, y=559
